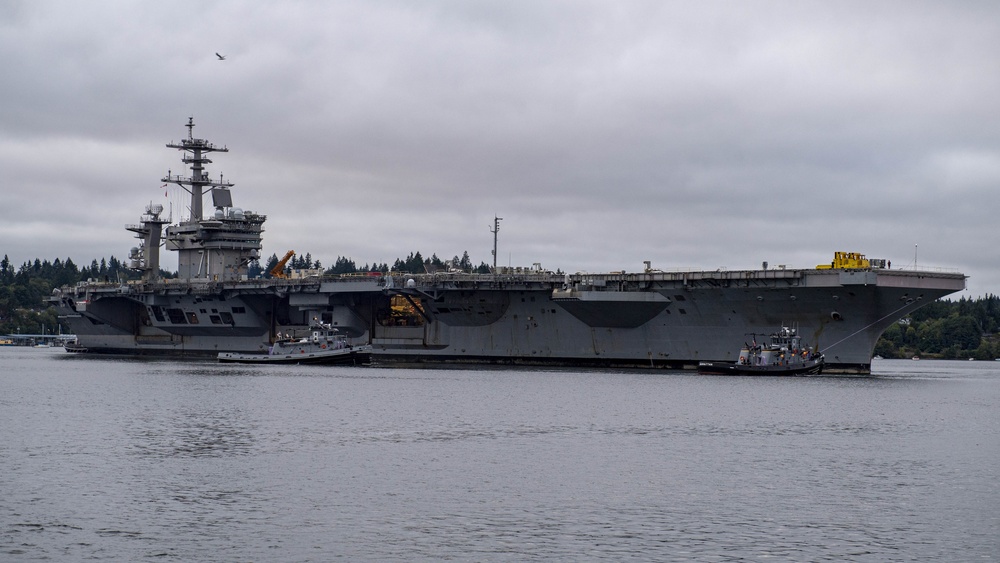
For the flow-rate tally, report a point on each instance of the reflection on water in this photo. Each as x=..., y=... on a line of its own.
x=124, y=460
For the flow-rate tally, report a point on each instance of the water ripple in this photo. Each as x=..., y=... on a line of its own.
x=119, y=460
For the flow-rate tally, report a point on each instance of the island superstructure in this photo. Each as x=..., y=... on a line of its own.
x=649, y=318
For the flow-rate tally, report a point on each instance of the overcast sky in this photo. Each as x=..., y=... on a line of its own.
x=692, y=134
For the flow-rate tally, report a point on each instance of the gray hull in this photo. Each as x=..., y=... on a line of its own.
x=673, y=320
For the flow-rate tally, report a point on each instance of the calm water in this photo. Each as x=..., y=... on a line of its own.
x=129, y=460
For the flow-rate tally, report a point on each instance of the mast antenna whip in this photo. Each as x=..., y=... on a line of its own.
x=495, y=229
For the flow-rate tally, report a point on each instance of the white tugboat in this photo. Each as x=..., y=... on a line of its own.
x=783, y=355
x=324, y=345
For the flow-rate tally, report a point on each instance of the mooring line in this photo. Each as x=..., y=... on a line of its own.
x=866, y=327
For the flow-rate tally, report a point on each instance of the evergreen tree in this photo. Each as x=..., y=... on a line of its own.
x=271, y=263
x=6, y=271
x=415, y=263
x=343, y=265
x=254, y=269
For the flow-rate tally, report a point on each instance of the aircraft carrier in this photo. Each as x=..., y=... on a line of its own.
x=649, y=318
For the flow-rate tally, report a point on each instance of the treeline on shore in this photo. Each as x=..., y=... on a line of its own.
x=412, y=264
x=23, y=290
x=947, y=329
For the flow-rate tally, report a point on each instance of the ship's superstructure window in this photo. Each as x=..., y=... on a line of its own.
x=226, y=317
x=240, y=310
x=192, y=317
x=216, y=319
x=176, y=316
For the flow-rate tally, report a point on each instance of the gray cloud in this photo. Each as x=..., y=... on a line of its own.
x=701, y=135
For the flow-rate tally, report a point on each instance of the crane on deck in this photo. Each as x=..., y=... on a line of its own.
x=278, y=271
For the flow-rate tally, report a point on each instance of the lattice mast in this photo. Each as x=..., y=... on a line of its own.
x=195, y=151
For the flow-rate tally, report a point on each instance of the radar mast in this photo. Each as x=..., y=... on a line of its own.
x=216, y=248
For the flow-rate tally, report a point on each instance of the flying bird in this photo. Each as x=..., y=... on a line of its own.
x=221, y=57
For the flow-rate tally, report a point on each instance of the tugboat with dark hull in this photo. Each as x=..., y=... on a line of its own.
x=783, y=355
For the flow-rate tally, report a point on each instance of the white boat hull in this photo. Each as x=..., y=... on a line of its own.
x=357, y=355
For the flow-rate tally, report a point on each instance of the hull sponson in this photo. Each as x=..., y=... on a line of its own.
x=653, y=319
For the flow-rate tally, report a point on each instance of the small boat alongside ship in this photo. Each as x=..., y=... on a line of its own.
x=784, y=354
x=73, y=347
x=323, y=346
